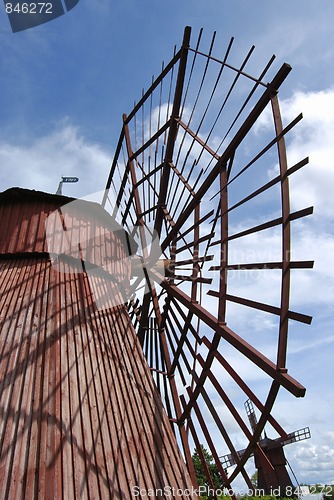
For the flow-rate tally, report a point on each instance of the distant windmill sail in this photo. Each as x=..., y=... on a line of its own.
x=65, y=179
x=251, y=414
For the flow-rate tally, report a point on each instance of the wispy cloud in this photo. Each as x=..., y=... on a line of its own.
x=64, y=151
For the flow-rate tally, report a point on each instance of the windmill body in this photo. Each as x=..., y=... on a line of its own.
x=272, y=476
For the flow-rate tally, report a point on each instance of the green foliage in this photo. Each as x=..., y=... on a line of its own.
x=327, y=493
x=254, y=479
x=263, y=497
x=213, y=469
x=327, y=490
x=221, y=497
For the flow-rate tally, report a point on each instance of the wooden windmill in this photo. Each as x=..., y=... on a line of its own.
x=193, y=239
x=270, y=462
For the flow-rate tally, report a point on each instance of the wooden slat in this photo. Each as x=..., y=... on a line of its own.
x=80, y=414
x=302, y=318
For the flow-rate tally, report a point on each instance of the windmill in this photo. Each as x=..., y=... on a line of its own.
x=201, y=168
x=269, y=457
x=65, y=179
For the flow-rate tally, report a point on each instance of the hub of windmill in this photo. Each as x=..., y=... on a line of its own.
x=162, y=266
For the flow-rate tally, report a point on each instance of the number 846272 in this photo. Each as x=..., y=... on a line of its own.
x=29, y=8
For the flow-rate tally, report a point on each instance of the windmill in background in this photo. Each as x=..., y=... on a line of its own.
x=65, y=179
x=269, y=457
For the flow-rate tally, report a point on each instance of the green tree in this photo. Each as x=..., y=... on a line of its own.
x=202, y=480
x=254, y=479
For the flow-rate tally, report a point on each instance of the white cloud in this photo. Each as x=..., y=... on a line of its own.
x=314, y=135
x=315, y=460
x=294, y=36
x=312, y=185
x=63, y=151
x=319, y=343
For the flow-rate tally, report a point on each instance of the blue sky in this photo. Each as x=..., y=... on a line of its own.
x=64, y=86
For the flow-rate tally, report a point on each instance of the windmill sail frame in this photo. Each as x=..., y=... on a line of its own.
x=180, y=164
